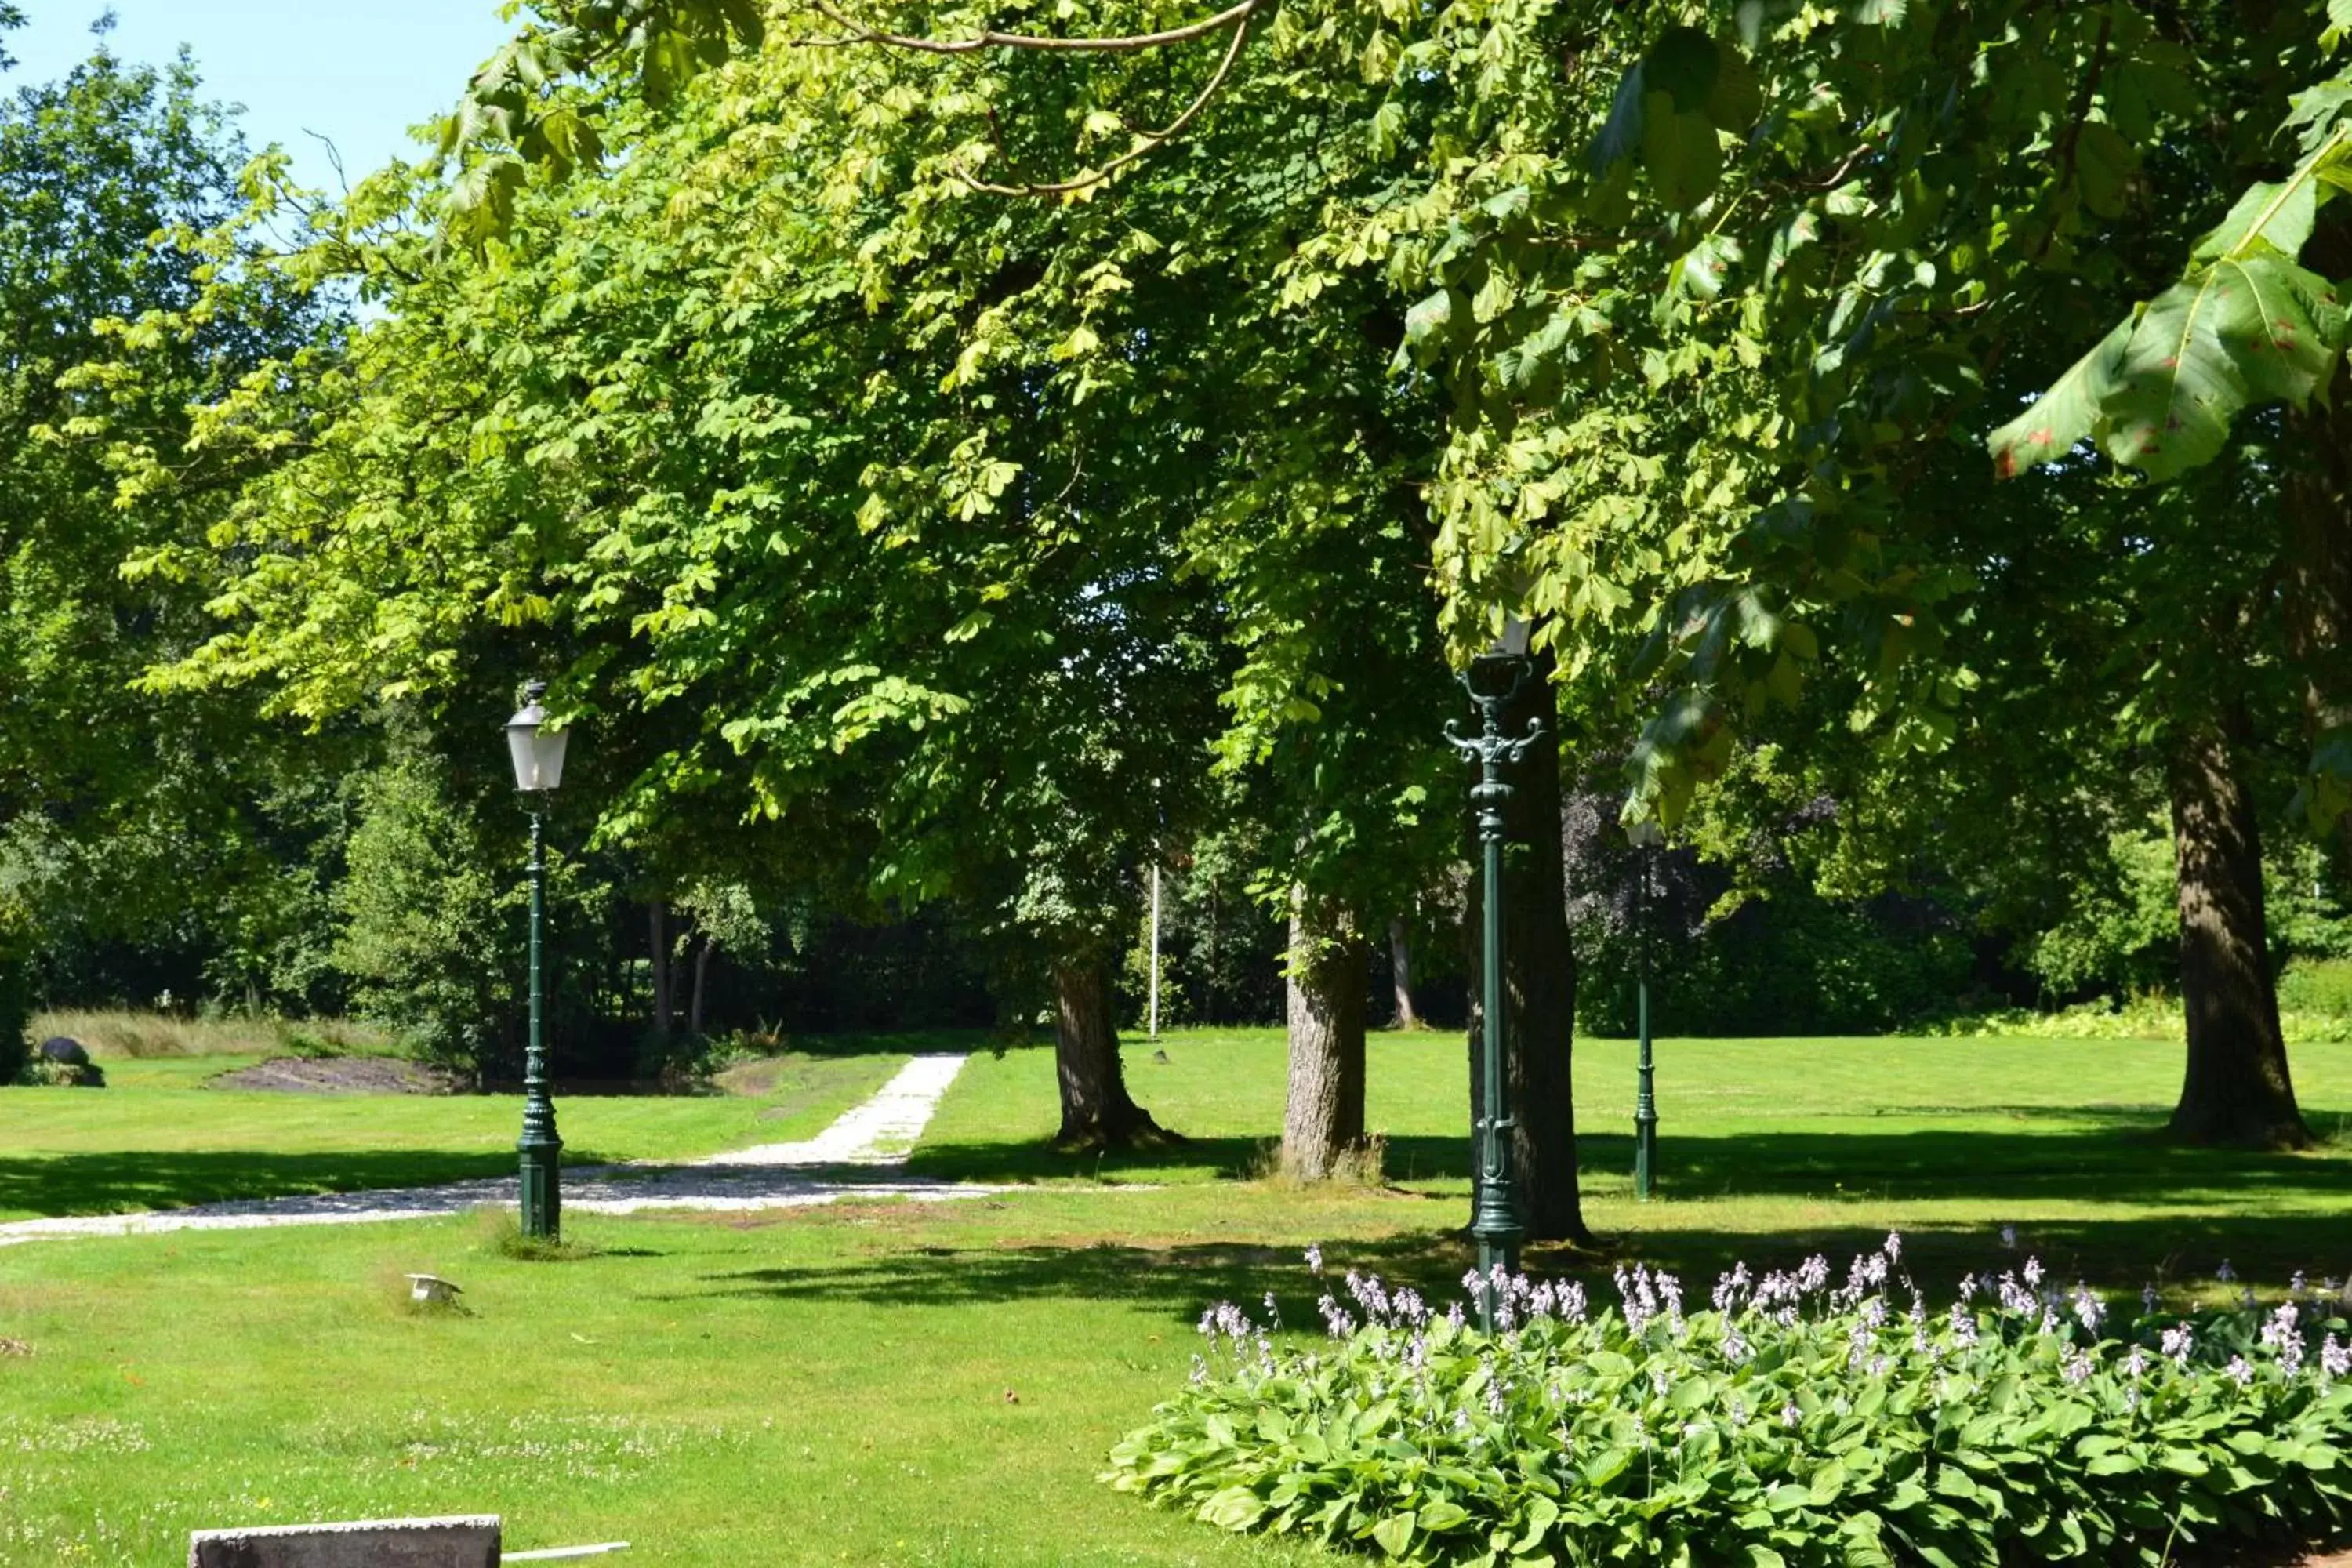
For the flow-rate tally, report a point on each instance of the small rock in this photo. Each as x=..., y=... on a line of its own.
x=60, y=1048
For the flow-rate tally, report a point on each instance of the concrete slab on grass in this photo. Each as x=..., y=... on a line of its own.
x=471, y=1543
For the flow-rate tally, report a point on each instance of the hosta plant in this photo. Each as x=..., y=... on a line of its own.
x=1793, y=1420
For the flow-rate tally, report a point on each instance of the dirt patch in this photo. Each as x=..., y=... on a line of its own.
x=339, y=1075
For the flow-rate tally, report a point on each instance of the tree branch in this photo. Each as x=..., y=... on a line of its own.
x=1147, y=141
x=1235, y=16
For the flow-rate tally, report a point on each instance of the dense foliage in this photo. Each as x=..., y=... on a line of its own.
x=1792, y=1422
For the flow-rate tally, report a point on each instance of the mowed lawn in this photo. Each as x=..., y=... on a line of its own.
x=162, y=1135
x=937, y=1385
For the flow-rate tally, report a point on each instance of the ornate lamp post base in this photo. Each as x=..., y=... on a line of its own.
x=1495, y=1216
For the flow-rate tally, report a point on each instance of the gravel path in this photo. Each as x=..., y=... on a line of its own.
x=875, y=1135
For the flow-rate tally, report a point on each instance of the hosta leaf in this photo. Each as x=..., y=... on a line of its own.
x=1394, y=1533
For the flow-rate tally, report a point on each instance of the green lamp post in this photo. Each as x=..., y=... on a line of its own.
x=538, y=754
x=1646, y=836
x=1493, y=679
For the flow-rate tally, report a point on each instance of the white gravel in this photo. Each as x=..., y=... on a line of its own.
x=877, y=1134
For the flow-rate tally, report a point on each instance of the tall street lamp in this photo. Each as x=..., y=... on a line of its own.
x=538, y=754
x=1646, y=836
x=1493, y=679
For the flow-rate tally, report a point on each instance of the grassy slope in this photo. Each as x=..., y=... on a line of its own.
x=156, y=1137
x=830, y=1386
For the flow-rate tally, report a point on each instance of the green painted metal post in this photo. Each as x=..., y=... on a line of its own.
x=540, y=1149
x=1646, y=1098
x=1495, y=1214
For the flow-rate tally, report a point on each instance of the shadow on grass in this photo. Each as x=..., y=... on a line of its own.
x=2120, y=1157
x=120, y=1182
x=2179, y=1252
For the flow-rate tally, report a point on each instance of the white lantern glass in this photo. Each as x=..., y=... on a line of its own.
x=538, y=751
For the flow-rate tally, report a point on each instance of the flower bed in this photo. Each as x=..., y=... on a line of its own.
x=1791, y=1421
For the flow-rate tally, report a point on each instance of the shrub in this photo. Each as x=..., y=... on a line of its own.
x=1792, y=1423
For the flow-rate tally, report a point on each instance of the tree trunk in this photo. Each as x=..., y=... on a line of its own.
x=1401, y=975
x=2316, y=503
x=1323, y=1117
x=657, y=921
x=1538, y=977
x=701, y=973
x=1096, y=1112
x=2236, y=1091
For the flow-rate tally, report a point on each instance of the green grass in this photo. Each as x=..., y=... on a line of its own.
x=159, y=1137
x=827, y=1386
x=115, y=1035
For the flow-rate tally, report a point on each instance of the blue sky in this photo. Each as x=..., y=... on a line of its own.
x=359, y=73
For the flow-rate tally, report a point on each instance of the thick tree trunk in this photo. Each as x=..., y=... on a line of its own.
x=1401, y=975
x=1096, y=1112
x=657, y=923
x=1323, y=1117
x=1539, y=978
x=2236, y=1091
x=2317, y=504
x=701, y=975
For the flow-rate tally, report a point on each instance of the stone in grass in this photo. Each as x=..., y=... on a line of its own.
x=431, y=1289
x=470, y=1542
x=64, y=1049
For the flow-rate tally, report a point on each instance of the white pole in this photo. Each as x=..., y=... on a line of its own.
x=1155, y=953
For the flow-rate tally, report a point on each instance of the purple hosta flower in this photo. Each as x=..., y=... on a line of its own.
x=2148, y=1298
x=2240, y=1371
x=2089, y=1310
x=2178, y=1343
x=1964, y=1327
x=1416, y=1353
x=1920, y=1344
x=2334, y=1358
x=1671, y=1289
x=1736, y=1348
x=2076, y=1366
x=2131, y=1398
x=1370, y=1297
x=1813, y=1274
x=1336, y=1320
x=2014, y=1296
x=2297, y=1283
x=1969, y=1287
x=1791, y=1414
x=1894, y=1247
x=2136, y=1364
x=1540, y=1303
x=1639, y=1301
x=1273, y=1312
x=1739, y=1414
x=1208, y=1324
x=1729, y=1287
x=1453, y=1314
x=2284, y=1340
x=1200, y=1372
x=1878, y=1365
x=1867, y=1273
x=1858, y=1342
x=1315, y=1257
x=2032, y=1272
x=1410, y=1308
x=2225, y=1274
x=1660, y=1382
x=1641, y=1431
x=1461, y=1420
x=1493, y=1390
x=1874, y=1312
x=2009, y=1237
x=2049, y=1324
x=1572, y=1306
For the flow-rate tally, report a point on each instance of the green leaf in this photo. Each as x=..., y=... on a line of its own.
x=2244, y=331
x=1680, y=151
x=1394, y=1533
x=2065, y=415
x=2104, y=164
x=1437, y=1518
x=2281, y=215
x=1234, y=1509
